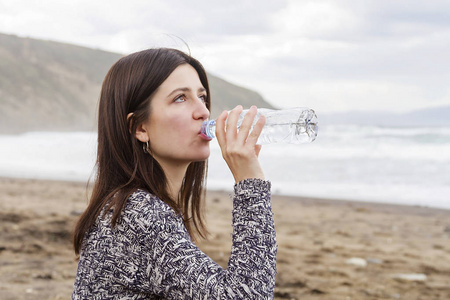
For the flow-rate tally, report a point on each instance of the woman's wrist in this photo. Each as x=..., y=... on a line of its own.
x=250, y=175
x=252, y=186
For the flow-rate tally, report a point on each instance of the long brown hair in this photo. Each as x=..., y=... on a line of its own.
x=122, y=165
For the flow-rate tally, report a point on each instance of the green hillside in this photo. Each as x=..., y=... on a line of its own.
x=50, y=86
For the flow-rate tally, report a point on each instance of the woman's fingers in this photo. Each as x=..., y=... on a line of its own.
x=227, y=131
x=246, y=124
x=231, y=126
x=220, y=128
x=252, y=138
x=239, y=147
x=257, y=149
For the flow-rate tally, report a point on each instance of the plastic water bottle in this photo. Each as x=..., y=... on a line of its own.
x=294, y=125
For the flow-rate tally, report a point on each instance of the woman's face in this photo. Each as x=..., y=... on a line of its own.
x=177, y=112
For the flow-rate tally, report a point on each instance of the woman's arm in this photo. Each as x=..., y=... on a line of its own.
x=183, y=271
x=177, y=269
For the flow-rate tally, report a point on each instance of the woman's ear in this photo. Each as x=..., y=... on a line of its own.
x=130, y=121
x=141, y=133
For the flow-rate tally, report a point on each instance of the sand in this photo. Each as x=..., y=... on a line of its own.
x=326, y=249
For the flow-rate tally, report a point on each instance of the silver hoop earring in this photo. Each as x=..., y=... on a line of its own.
x=145, y=147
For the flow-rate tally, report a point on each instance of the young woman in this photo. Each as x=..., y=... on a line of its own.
x=136, y=238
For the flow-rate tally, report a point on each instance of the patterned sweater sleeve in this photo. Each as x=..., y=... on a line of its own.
x=177, y=269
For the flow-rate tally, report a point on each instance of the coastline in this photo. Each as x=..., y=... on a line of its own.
x=327, y=249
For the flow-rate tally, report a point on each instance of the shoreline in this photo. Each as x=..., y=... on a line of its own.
x=327, y=249
x=275, y=195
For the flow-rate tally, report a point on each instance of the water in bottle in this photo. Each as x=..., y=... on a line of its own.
x=294, y=125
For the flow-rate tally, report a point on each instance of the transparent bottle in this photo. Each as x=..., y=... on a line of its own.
x=294, y=125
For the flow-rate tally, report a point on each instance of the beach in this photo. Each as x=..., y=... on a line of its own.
x=327, y=249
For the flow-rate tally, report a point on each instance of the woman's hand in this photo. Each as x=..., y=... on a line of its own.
x=239, y=148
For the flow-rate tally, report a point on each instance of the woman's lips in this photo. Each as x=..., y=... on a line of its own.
x=205, y=137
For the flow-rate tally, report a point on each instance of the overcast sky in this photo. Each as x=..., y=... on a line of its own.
x=332, y=55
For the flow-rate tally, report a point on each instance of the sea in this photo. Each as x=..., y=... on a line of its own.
x=399, y=165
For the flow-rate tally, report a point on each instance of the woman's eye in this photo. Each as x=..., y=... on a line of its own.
x=180, y=98
x=203, y=98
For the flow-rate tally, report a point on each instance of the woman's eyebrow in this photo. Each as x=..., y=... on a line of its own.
x=181, y=89
x=185, y=89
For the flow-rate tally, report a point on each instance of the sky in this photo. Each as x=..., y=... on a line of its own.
x=332, y=56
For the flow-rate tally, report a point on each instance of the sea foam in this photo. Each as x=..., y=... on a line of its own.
x=394, y=165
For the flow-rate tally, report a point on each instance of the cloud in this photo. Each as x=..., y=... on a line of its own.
x=332, y=54
x=315, y=19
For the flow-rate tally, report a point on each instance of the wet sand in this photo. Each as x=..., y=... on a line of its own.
x=327, y=249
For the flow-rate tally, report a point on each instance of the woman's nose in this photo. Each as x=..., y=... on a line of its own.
x=201, y=111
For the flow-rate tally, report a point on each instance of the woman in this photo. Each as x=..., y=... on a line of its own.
x=135, y=239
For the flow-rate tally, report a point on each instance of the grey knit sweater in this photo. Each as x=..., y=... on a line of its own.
x=149, y=254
